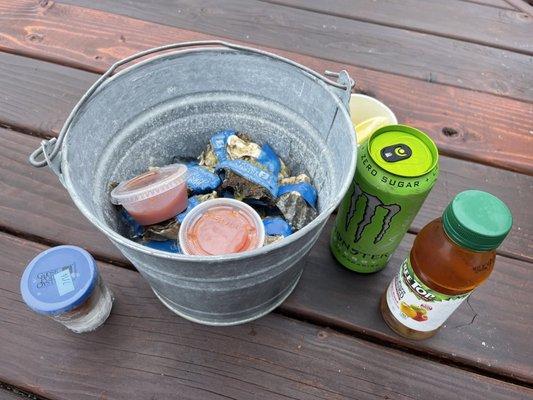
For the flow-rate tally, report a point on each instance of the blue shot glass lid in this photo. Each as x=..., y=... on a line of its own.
x=58, y=280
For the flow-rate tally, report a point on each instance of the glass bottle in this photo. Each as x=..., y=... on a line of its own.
x=64, y=283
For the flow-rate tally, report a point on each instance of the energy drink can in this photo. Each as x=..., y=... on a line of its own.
x=395, y=171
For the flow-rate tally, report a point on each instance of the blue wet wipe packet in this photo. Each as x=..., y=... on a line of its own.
x=191, y=203
x=219, y=142
x=270, y=159
x=262, y=170
x=135, y=230
x=200, y=179
x=277, y=226
x=170, y=246
x=252, y=173
x=306, y=190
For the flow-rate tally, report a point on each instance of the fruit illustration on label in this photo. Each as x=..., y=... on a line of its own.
x=413, y=311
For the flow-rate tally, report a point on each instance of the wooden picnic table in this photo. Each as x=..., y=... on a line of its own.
x=461, y=70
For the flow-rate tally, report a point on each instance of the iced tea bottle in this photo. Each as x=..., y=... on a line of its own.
x=450, y=257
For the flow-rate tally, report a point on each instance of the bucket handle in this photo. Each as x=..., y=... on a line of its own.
x=47, y=152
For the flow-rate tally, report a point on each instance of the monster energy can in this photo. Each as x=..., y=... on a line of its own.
x=395, y=171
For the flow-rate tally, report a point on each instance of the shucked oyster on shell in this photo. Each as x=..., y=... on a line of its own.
x=284, y=172
x=295, y=179
x=296, y=210
x=272, y=239
x=166, y=230
x=239, y=148
x=243, y=188
x=208, y=196
x=208, y=158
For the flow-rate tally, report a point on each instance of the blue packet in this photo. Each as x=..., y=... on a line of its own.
x=219, y=143
x=191, y=203
x=170, y=246
x=306, y=190
x=269, y=159
x=277, y=226
x=135, y=230
x=201, y=180
x=252, y=173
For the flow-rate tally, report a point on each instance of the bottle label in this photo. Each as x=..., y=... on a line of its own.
x=64, y=282
x=417, y=306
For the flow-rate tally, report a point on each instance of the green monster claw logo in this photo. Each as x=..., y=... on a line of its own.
x=372, y=203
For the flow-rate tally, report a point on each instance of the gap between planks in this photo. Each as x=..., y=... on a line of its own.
x=10, y=392
x=524, y=6
x=322, y=321
x=501, y=4
x=375, y=47
x=397, y=23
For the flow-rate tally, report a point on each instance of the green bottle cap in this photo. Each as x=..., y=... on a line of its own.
x=402, y=150
x=477, y=220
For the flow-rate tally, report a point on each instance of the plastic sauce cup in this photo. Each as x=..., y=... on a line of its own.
x=221, y=226
x=154, y=196
x=368, y=115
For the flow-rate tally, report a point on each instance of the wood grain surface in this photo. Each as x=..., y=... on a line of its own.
x=491, y=332
x=509, y=30
x=466, y=124
x=525, y=6
x=35, y=96
x=377, y=47
x=34, y=204
x=144, y=351
x=492, y=3
x=9, y=395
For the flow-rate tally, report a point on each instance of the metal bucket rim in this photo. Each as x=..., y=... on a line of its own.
x=117, y=237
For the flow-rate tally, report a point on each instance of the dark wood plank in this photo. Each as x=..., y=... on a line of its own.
x=38, y=96
x=491, y=333
x=481, y=127
x=144, y=351
x=515, y=189
x=525, y=6
x=509, y=30
x=492, y=3
x=34, y=203
x=382, y=48
x=328, y=293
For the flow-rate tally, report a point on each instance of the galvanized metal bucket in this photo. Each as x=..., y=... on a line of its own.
x=168, y=106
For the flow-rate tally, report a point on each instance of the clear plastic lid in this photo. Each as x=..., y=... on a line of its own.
x=221, y=226
x=149, y=184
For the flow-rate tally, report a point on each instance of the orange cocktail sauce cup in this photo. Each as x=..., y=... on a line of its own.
x=154, y=196
x=221, y=226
